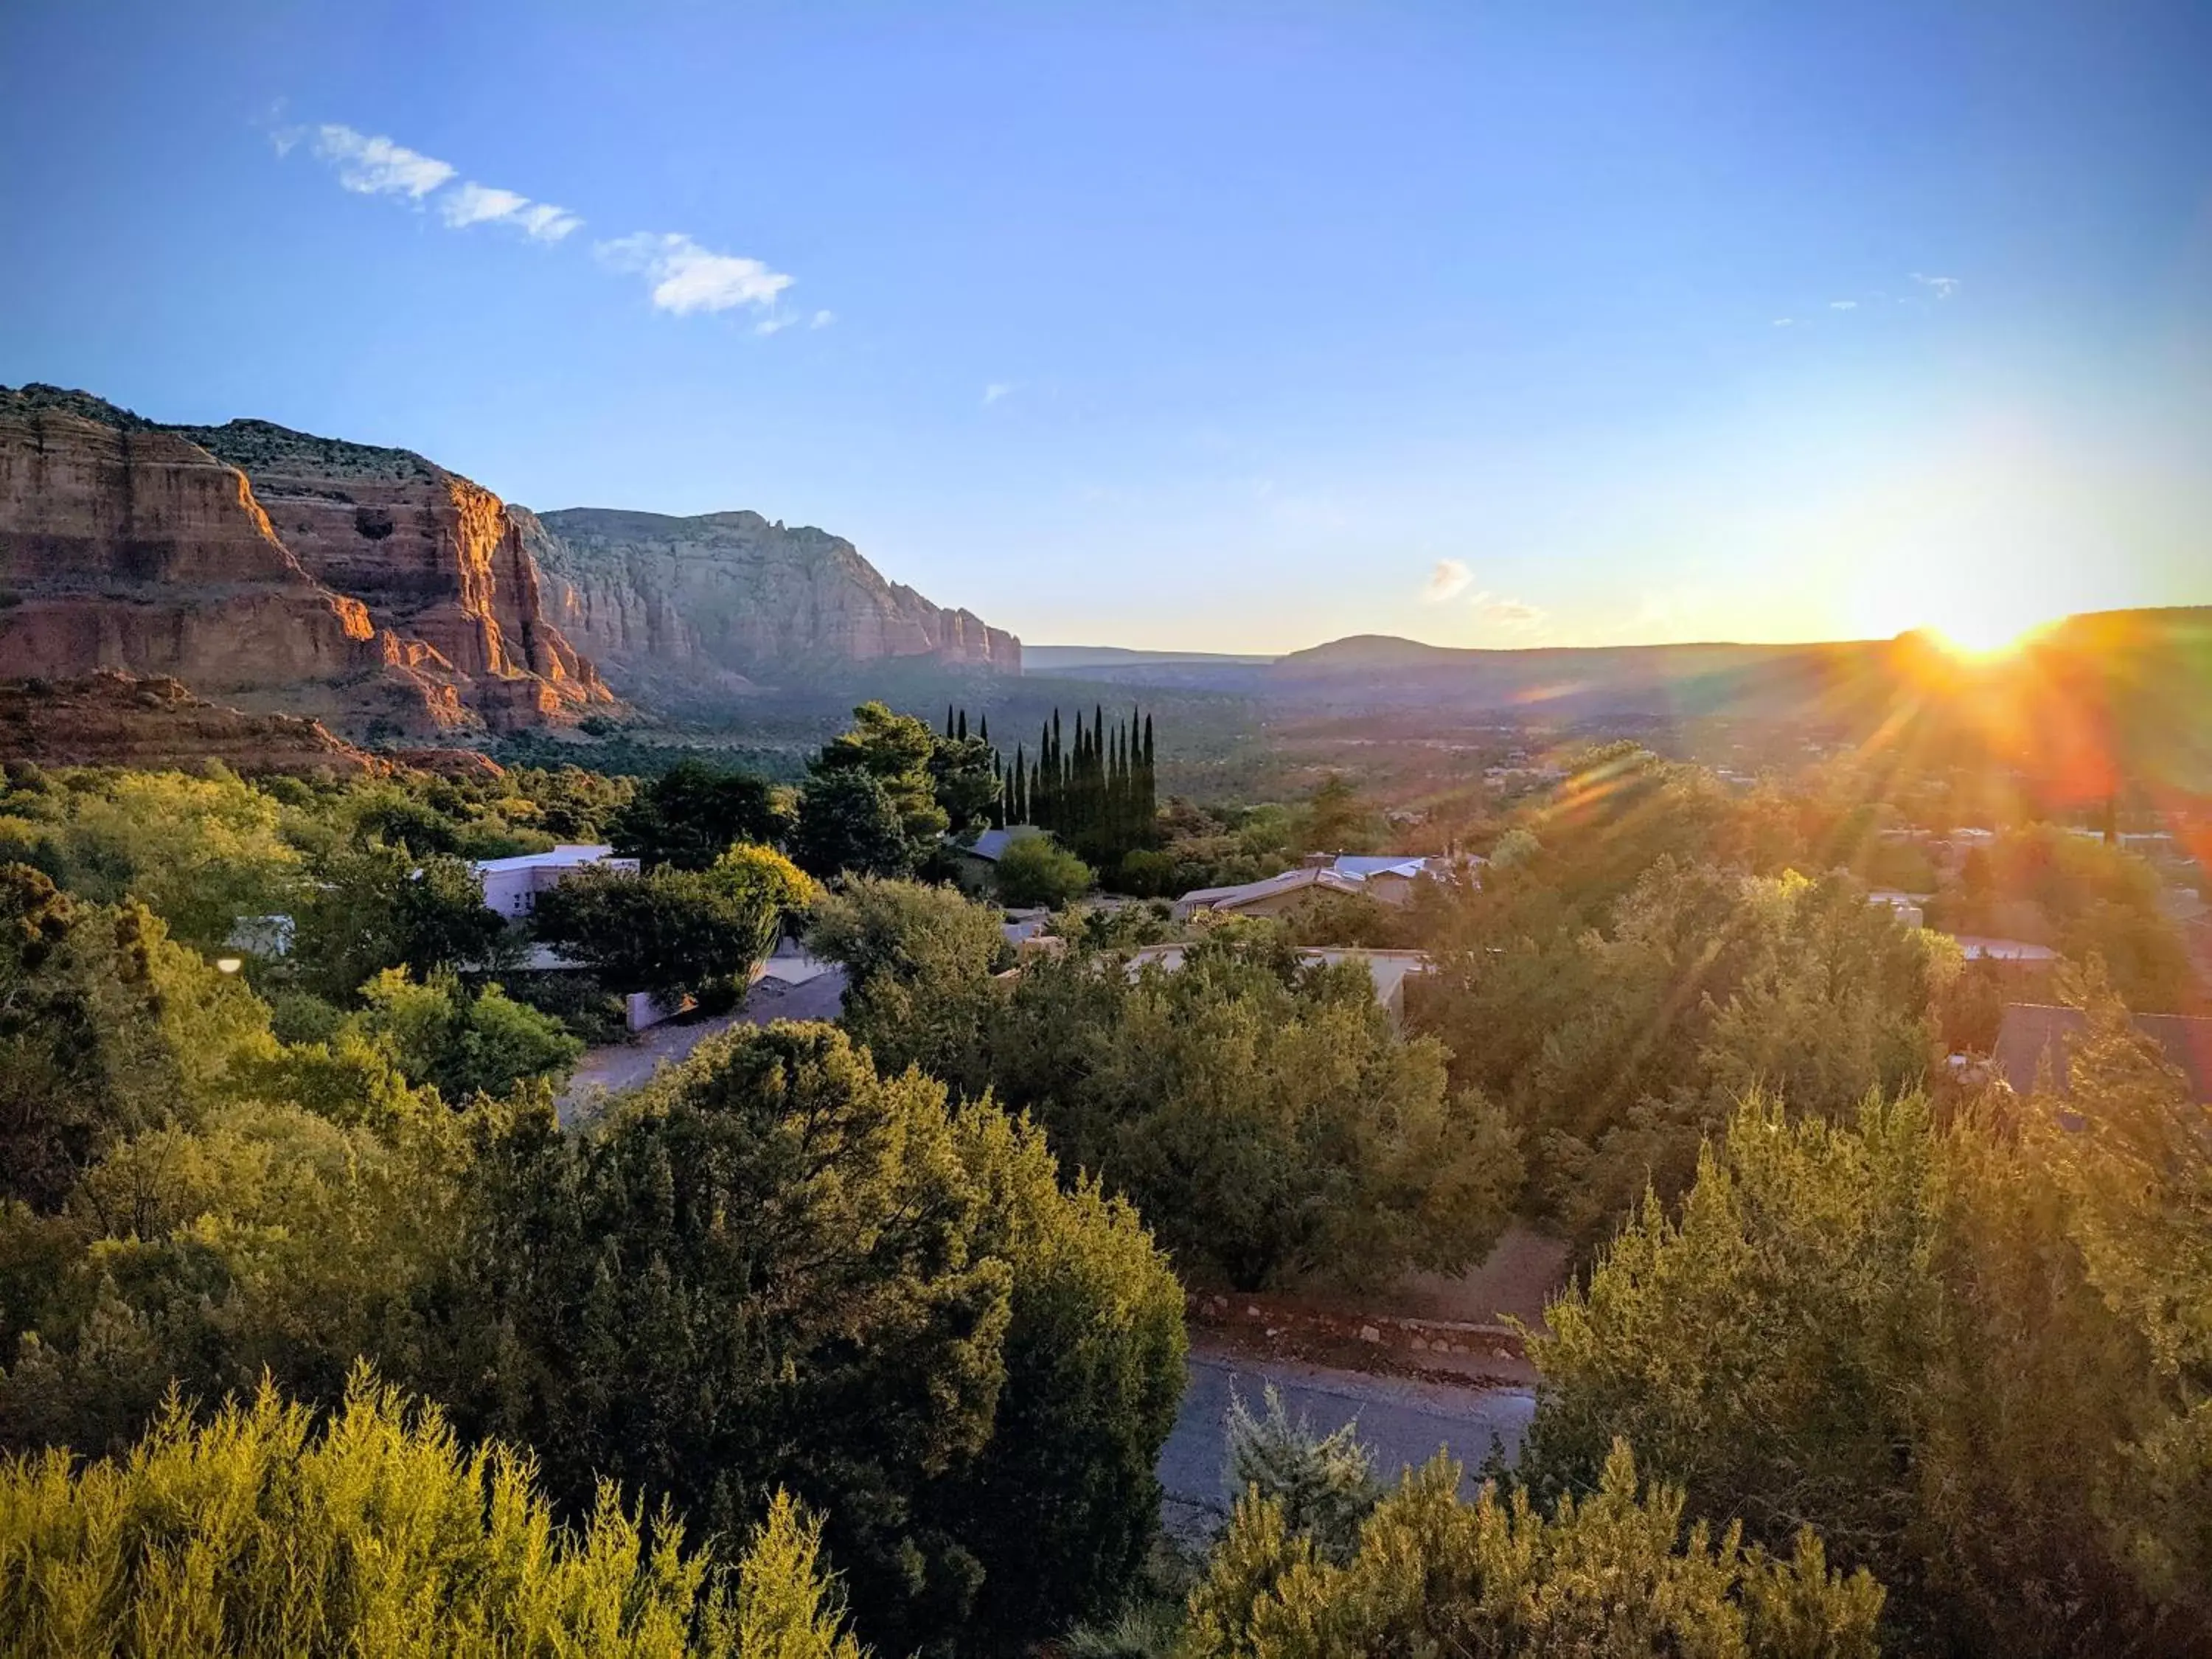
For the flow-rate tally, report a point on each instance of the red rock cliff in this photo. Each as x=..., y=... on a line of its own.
x=431, y=555
x=125, y=547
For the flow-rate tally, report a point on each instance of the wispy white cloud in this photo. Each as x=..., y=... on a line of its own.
x=374, y=166
x=1942, y=287
x=477, y=204
x=1785, y=322
x=1448, y=580
x=481, y=204
x=1843, y=304
x=997, y=389
x=686, y=277
x=1513, y=613
x=682, y=275
x=821, y=320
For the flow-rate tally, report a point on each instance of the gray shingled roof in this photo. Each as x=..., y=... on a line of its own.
x=2030, y=1031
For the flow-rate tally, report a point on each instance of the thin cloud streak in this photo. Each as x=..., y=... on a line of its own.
x=682, y=275
x=686, y=277
x=374, y=166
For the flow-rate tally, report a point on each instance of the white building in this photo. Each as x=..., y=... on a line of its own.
x=511, y=886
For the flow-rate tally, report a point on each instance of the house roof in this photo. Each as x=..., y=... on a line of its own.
x=1376, y=864
x=991, y=846
x=1251, y=893
x=2030, y=1030
x=563, y=856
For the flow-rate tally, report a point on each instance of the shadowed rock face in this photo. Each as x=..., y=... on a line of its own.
x=734, y=595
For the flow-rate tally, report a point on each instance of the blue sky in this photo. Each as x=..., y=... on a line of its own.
x=1194, y=326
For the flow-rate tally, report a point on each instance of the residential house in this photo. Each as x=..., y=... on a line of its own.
x=976, y=864
x=511, y=886
x=1387, y=878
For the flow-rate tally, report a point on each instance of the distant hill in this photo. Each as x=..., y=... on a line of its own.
x=2168, y=653
x=1058, y=659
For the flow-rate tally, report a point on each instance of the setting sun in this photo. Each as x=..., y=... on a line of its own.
x=1981, y=637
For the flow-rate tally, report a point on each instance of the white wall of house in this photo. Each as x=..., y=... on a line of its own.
x=511, y=886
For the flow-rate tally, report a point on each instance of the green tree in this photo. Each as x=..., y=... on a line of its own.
x=897, y=751
x=1062, y=1505
x=962, y=782
x=919, y=961
x=763, y=876
x=261, y=1533
x=198, y=851
x=438, y=1032
x=297, y=1225
x=375, y=906
x=1265, y=1116
x=1338, y=820
x=1615, y=1051
x=106, y=1028
x=691, y=813
x=1036, y=870
x=674, y=932
x=899, y=1279
x=1324, y=1484
x=849, y=822
x=1611, y=1575
x=1950, y=1350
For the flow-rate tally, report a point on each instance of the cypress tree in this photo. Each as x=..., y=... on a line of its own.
x=963, y=725
x=983, y=726
x=1152, y=798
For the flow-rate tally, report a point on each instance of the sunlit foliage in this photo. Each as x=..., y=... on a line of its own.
x=261, y=1532
x=1614, y=1574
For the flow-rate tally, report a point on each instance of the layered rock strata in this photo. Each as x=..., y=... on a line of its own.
x=117, y=720
x=126, y=547
x=432, y=556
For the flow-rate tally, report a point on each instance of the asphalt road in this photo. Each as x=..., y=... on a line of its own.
x=1402, y=1422
x=623, y=1066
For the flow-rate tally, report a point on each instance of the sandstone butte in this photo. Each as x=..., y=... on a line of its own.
x=389, y=596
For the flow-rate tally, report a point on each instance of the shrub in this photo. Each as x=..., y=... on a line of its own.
x=1610, y=1577
x=259, y=1534
x=1036, y=870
